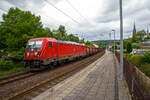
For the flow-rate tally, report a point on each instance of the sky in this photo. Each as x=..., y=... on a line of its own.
x=89, y=19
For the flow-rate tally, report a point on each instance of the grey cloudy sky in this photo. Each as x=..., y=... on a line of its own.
x=96, y=18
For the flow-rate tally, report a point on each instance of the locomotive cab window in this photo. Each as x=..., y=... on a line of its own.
x=50, y=44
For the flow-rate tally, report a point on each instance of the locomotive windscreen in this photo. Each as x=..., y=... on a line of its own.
x=34, y=45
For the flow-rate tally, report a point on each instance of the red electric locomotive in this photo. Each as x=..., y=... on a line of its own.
x=42, y=52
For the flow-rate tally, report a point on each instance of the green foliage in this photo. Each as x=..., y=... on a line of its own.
x=60, y=33
x=145, y=68
x=81, y=41
x=17, y=55
x=114, y=47
x=101, y=44
x=6, y=65
x=136, y=46
x=88, y=43
x=139, y=36
x=146, y=57
x=129, y=47
x=9, y=67
x=135, y=39
x=128, y=56
x=141, y=61
x=136, y=60
x=1, y=53
x=62, y=30
x=125, y=42
x=18, y=26
x=147, y=38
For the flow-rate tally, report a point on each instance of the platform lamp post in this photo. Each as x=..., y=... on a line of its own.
x=114, y=40
x=121, y=41
x=109, y=40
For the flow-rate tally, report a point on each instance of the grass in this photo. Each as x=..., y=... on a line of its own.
x=15, y=69
x=10, y=67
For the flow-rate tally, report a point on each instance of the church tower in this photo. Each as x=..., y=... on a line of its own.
x=148, y=34
x=147, y=30
x=134, y=30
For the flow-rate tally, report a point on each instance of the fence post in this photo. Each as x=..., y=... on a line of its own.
x=132, y=83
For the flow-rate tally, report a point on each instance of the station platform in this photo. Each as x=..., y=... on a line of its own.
x=99, y=81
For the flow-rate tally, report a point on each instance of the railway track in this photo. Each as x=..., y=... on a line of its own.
x=44, y=85
x=57, y=76
x=15, y=77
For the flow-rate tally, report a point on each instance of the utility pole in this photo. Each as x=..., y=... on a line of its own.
x=121, y=41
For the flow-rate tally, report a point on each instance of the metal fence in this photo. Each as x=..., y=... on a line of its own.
x=137, y=87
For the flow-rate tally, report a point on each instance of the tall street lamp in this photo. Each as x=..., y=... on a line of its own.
x=114, y=40
x=109, y=39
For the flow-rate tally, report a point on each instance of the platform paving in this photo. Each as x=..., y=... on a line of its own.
x=98, y=81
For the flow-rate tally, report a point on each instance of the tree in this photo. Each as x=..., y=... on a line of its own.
x=114, y=47
x=16, y=24
x=88, y=43
x=125, y=42
x=81, y=41
x=62, y=32
x=16, y=28
x=101, y=44
x=139, y=36
x=129, y=47
x=146, y=56
x=136, y=46
x=135, y=38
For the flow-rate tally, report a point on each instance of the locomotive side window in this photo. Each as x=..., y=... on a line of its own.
x=50, y=44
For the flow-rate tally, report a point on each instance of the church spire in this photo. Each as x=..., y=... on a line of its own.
x=134, y=29
x=147, y=30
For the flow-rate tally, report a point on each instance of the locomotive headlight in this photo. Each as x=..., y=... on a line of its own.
x=27, y=54
x=36, y=53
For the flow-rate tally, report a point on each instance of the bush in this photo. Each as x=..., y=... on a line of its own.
x=129, y=47
x=136, y=46
x=6, y=65
x=17, y=55
x=145, y=69
x=128, y=56
x=146, y=57
x=136, y=60
x=1, y=54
